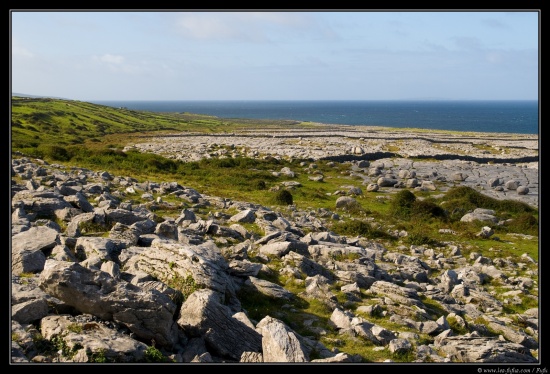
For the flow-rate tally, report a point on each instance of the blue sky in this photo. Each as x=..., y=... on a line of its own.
x=264, y=55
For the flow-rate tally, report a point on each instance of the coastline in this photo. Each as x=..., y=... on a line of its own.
x=461, y=115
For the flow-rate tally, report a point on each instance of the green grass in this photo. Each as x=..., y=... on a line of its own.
x=507, y=246
x=433, y=308
x=359, y=227
x=456, y=327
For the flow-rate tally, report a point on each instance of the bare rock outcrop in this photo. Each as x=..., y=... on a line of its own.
x=280, y=343
x=204, y=315
x=149, y=314
x=29, y=249
x=484, y=349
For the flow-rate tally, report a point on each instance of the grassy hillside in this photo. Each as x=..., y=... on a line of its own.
x=41, y=122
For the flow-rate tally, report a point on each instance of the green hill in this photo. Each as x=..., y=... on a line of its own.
x=41, y=122
x=37, y=122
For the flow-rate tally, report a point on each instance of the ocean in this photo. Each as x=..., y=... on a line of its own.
x=521, y=117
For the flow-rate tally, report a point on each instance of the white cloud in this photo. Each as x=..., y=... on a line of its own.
x=111, y=59
x=278, y=18
x=116, y=64
x=20, y=51
x=207, y=26
x=245, y=26
x=120, y=64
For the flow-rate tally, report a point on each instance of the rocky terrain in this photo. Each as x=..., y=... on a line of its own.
x=483, y=160
x=118, y=283
x=341, y=142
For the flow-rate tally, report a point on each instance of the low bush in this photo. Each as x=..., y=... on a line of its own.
x=55, y=153
x=359, y=228
x=152, y=354
x=465, y=198
x=418, y=238
x=401, y=204
x=283, y=197
x=427, y=208
x=524, y=223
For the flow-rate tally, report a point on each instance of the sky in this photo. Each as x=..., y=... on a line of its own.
x=276, y=55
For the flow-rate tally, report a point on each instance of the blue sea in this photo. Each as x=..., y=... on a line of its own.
x=521, y=117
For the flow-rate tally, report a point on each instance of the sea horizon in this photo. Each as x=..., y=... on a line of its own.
x=501, y=116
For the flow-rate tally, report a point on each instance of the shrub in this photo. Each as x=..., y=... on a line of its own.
x=401, y=204
x=416, y=238
x=284, y=197
x=223, y=162
x=97, y=356
x=152, y=354
x=358, y=227
x=515, y=206
x=464, y=198
x=427, y=208
x=160, y=164
x=55, y=153
x=524, y=223
x=353, y=227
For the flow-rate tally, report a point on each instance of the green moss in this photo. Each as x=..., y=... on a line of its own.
x=75, y=327
x=152, y=354
x=62, y=346
x=408, y=356
x=433, y=307
x=88, y=228
x=97, y=356
x=456, y=327
x=185, y=285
